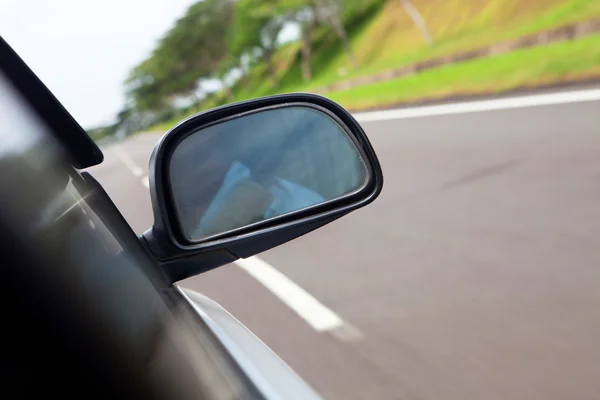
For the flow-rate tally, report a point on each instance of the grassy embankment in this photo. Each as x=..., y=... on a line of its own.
x=385, y=38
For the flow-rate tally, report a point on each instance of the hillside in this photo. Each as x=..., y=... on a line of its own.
x=383, y=37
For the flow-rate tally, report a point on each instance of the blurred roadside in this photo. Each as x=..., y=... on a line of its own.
x=364, y=54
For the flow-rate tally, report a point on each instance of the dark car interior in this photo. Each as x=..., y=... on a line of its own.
x=85, y=311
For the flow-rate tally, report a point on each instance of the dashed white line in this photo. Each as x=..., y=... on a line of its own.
x=537, y=100
x=318, y=316
x=135, y=169
x=124, y=157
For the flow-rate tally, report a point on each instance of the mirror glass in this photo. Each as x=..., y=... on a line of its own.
x=259, y=166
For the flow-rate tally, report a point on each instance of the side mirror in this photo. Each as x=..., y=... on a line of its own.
x=240, y=179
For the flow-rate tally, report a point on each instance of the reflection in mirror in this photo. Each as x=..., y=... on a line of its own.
x=260, y=166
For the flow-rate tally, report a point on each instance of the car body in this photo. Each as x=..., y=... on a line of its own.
x=94, y=309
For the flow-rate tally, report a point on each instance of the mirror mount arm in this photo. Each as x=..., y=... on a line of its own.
x=178, y=266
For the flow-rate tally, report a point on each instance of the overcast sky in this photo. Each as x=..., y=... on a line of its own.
x=83, y=50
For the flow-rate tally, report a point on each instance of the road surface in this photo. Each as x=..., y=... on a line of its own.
x=475, y=275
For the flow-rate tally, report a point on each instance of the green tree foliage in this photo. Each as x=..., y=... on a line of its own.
x=303, y=12
x=256, y=27
x=258, y=23
x=191, y=50
x=216, y=37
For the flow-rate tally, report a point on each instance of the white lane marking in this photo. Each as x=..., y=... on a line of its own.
x=132, y=166
x=347, y=333
x=306, y=306
x=124, y=157
x=482, y=105
x=137, y=171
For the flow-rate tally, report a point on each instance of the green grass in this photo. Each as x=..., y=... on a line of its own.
x=163, y=126
x=528, y=67
x=390, y=40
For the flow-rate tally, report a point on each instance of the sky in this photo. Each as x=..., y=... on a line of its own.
x=83, y=50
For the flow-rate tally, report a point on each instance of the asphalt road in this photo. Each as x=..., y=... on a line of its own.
x=475, y=275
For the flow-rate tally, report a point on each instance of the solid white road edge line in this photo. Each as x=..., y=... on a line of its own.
x=482, y=105
x=306, y=306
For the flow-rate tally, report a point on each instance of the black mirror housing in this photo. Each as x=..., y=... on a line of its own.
x=182, y=257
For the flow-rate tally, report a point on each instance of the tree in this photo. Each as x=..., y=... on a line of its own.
x=309, y=14
x=418, y=20
x=256, y=28
x=143, y=87
x=308, y=27
x=192, y=49
x=305, y=13
x=330, y=13
x=228, y=64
